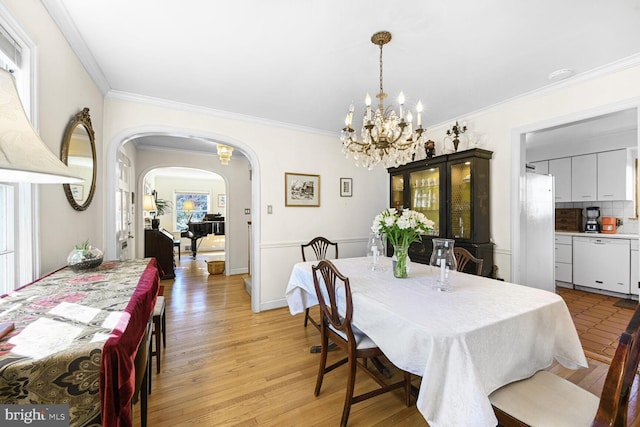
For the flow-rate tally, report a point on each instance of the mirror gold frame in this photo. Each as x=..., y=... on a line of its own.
x=79, y=153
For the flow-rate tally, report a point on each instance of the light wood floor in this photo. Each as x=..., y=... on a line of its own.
x=226, y=366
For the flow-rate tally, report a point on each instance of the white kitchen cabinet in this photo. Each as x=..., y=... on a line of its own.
x=584, y=178
x=561, y=170
x=615, y=175
x=633, y=283
x=602, y=263
x=563, y=258
x=541, y=167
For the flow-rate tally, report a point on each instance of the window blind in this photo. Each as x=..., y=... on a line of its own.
x=10, y=48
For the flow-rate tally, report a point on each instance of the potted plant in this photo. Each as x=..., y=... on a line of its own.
x=162, y=206
x=84, y=257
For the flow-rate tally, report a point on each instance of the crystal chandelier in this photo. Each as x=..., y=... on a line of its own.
x=387, y=136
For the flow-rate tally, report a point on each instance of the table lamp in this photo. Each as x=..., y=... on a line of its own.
x=149, y=205
x=24, y=157
x=188, y=206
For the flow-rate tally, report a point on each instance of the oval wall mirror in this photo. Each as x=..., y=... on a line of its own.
x=79, y=153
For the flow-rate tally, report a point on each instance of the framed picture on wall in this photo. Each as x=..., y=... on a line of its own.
x=301, y=189
x=222, y=200
x=346, y=187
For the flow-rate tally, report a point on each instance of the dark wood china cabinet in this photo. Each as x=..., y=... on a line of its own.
x=452, y=190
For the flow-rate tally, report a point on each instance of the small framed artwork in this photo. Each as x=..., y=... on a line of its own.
x=222, y=200
x=346, y=187
x=301, y=189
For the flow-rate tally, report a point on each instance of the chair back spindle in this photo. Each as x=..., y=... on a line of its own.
x=463, y=257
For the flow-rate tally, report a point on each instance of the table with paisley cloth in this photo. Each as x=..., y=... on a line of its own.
x=464, y=344
x=75, y=339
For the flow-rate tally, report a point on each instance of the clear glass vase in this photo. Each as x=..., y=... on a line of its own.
x=444, y=259
x=399, y=260
x=84, y=259
x=375, y=251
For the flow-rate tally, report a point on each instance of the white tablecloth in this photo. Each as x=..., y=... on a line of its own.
x=464, y=344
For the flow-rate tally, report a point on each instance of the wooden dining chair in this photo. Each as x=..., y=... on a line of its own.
x=159, y=329
x=463, y=257
x=142, y=366
x=546, y=399
x=339, y=330
x=320, y=246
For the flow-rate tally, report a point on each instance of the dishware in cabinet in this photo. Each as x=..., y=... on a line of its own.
x=453, y=191
x=419, y=186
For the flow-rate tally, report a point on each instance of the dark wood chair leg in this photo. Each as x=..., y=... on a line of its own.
x=157, y=321
x=351, y=384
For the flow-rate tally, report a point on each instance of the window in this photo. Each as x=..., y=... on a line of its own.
x=201, y=202
x=19, y=255
x=7, y=250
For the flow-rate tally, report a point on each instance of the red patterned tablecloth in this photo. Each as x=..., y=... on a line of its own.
x=75, y=339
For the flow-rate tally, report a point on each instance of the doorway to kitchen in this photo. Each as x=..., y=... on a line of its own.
x=586, y=132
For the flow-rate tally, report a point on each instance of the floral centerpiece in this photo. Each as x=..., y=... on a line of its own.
x=401, y=229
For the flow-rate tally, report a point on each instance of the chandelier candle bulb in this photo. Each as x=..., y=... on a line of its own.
x=419, y=111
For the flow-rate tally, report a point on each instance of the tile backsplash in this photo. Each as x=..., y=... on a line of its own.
x=623, y=209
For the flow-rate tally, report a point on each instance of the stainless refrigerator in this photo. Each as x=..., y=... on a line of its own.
x=539, y=233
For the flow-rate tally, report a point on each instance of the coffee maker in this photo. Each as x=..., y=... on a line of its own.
x=592, y=225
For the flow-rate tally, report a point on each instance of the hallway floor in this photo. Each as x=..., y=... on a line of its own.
x=598, y=321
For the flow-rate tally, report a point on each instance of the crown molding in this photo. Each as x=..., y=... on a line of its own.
x=197, y=109
x=613, y=67
x=63, y=20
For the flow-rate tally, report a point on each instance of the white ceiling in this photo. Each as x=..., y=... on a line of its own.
x=584, y=130
x=303, y=62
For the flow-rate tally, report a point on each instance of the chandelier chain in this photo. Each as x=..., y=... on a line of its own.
x=381, y=89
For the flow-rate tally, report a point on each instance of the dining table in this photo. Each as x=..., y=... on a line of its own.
x=74, y=340
x=464, y=343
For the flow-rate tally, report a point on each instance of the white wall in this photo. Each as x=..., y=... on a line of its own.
x=64, y=89
x=235, y=183
x=272, y=150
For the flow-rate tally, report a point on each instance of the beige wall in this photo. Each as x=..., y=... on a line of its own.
x=234, y=182
x=64, y=89
x=272, y=151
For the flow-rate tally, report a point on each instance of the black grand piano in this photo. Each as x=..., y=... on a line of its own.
x=210, y=224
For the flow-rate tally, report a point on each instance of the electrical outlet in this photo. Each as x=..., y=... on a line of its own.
x=247, y=211
x=618, y=222
x=269, y=209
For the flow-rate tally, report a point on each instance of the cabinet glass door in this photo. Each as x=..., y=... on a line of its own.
x=460, y=212
x=397, y=191
x=425, y=194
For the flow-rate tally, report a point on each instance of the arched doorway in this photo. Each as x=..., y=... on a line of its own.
x=199, y=160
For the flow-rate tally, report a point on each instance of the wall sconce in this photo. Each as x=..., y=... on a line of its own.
x=24, y=157
x=224, y=153
x=456, y=130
